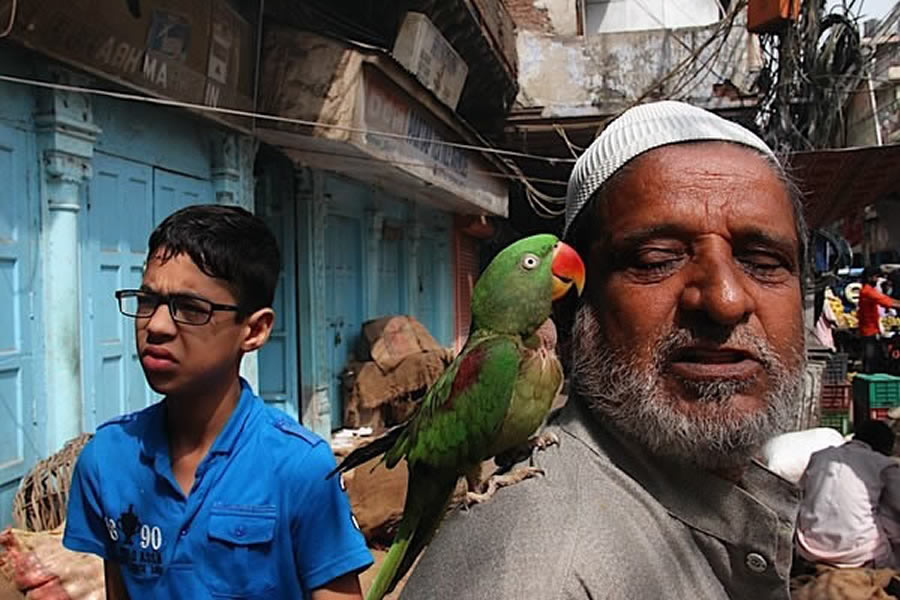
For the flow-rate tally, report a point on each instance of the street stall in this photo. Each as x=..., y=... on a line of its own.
x=851, y=197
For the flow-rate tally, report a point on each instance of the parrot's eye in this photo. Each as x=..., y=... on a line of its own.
x=530, y=261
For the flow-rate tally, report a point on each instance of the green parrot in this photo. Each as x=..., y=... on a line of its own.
x=490, y=399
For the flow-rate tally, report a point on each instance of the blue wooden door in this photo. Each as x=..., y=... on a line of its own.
x=278, y=368
x=19, y=429
x=343, y=302
x=118, y=221
x=388, y=285
x=172, y=191
x=432, y=286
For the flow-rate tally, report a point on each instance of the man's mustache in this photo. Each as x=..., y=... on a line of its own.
x=683, y=341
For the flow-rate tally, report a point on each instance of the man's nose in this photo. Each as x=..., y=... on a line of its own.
x=161, y=322
x=716, y=287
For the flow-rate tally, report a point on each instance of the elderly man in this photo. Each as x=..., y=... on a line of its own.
x=687, y=353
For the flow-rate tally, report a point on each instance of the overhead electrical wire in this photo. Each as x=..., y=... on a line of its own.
x=276, y=118
x=547, y=206
x=409, y=163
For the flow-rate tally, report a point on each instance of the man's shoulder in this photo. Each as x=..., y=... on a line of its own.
x=574, y=523
x=579, y=486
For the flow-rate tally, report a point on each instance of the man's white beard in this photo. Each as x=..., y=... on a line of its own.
x=632, y=397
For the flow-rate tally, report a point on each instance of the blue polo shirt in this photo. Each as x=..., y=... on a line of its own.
x=261, y=520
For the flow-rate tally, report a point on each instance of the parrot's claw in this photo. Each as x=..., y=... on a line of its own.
x=540, y=442
x=499, y=481
x=544, y=440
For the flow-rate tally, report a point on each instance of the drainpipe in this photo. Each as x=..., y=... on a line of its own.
x=878, y=139
x=66, y=137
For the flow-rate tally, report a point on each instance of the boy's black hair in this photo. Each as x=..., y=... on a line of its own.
x=228, y=243
x=876, y=434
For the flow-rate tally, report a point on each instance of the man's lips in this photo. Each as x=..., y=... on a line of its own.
x=714, y=363
x=156, y=358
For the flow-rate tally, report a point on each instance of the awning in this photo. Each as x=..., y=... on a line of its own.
x=840, y=182
x=353, y=95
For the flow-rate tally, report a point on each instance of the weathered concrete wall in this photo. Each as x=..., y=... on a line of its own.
x=566, y=74
x=562, y=13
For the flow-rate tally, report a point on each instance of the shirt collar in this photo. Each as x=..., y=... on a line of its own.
x=247, y=405
x=155, y=442
x=749, y=514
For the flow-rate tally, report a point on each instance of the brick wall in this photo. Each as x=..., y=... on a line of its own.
x=465, y=273
x=527, y=16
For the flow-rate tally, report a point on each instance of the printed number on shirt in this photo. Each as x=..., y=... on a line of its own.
x=151, y=537
x=111, y=528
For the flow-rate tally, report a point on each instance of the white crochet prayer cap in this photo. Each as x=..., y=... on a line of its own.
x=643, y=128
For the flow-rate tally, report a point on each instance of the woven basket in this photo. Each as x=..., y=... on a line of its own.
x=40, y=502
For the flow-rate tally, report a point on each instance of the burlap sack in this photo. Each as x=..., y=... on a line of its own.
x=39, y=566
x=389, y=340
x=845, y=584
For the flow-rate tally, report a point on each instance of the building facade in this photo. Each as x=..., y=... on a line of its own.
x=582, y=62
x=90, y=170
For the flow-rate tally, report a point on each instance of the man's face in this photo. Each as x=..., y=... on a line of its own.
x=180, y=359
x=691, y=339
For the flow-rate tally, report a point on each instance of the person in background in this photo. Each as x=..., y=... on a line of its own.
x=894, y=278
x=787, y=454
x=869, y=319
x=826, y=322
x=851, y=494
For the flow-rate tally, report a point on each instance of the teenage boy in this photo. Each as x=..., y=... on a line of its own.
x=211, y=493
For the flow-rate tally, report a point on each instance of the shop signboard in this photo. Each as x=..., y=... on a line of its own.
x=200, y=52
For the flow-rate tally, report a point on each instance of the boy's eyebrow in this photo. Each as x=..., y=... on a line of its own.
x=146, y=288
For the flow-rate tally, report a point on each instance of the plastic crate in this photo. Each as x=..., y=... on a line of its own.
x=836, y=420
x=877, y=391
x=836, y=397
x=879, y=414
x=836, y=369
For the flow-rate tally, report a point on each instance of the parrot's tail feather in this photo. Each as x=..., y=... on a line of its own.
x=385, y=579
x=421, y=517
x=428, y=526
x=364, y=454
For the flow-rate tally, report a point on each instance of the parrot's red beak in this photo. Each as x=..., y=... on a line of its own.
x=568, y=270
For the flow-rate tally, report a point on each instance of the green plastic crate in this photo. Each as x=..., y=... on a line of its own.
x=878, y=390
x=838, y=420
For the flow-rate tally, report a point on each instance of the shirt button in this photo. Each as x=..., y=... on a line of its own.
x=756, y=563
x=239, y=532
x=183, y=532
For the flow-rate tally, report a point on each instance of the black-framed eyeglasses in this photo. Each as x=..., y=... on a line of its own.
x=190, y=310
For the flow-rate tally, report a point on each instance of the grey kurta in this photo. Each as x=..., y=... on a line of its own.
x=607, y=521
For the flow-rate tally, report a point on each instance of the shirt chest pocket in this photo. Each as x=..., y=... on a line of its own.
x=240, y=560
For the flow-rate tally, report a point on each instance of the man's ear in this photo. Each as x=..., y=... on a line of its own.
x=257, y=328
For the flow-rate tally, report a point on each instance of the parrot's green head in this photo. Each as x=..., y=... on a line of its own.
x=515, y=293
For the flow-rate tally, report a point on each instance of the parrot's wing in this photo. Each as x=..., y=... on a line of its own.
x=464, y=409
